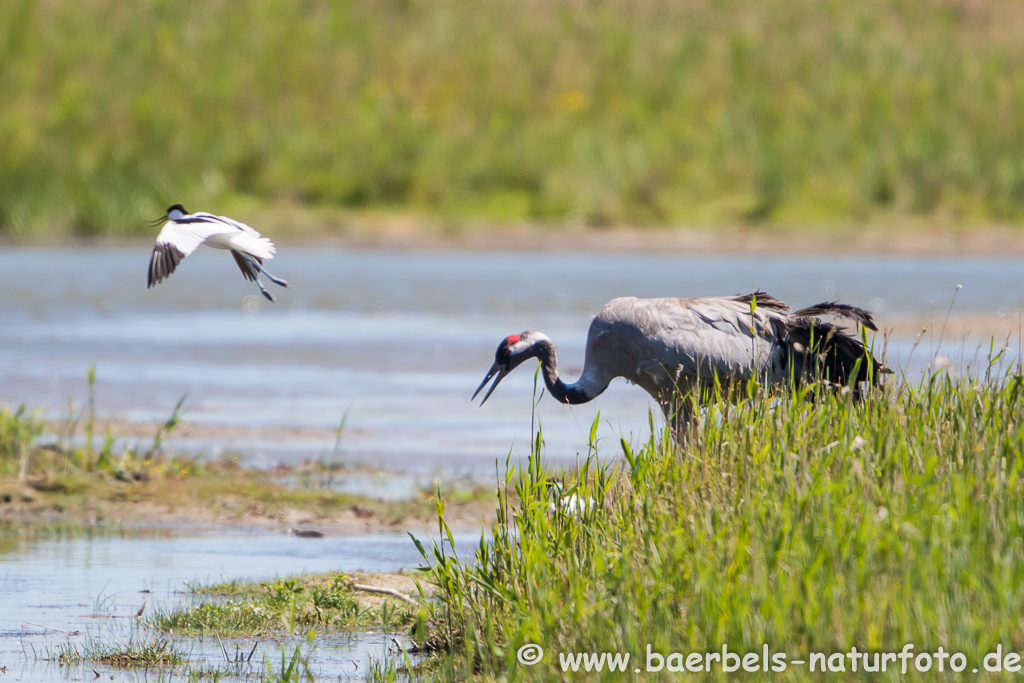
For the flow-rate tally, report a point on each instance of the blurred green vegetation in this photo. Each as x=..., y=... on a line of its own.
x=800, y=112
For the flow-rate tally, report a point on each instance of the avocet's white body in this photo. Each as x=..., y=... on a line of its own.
x=185, y=232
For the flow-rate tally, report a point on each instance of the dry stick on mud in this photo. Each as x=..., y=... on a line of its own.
x=385, y=591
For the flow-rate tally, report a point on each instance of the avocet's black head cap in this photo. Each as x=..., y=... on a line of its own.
x=173, y=209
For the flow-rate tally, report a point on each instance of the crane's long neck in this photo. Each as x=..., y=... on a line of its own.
x=587, y=388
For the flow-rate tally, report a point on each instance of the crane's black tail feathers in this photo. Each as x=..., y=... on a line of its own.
x=823, y=352
x=764, y=300
x=837, y=309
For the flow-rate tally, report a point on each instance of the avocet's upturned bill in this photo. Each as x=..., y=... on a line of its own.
x=184, y=232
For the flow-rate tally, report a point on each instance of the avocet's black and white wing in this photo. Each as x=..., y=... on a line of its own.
x=176, y=241
x=184, y=233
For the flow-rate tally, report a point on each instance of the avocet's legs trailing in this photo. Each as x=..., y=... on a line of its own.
x=256, y=266
x=250, y=267
x=263, y=289
x=275, y=280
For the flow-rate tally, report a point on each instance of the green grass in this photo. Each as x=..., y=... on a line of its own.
x=135, y=653
x=18, y=432
x=240, y=608
x=806, y=526
x=784, y=111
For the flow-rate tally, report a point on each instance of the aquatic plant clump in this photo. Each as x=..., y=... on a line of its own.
x=226, y=619
x=144, y=653
x=801, y=526
x=247, y=609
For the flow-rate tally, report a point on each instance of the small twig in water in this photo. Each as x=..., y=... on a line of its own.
x=50, y=628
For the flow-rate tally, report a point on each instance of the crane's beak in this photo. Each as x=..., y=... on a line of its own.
x=500, y=371
x=158, y=221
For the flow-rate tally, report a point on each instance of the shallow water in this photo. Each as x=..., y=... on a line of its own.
x=395, y=340
x=96, y=585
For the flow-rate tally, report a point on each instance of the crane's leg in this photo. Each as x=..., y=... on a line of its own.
x=679, y=413
x=684, y=426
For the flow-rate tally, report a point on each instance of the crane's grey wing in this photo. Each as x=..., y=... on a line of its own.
x=177, y=240
x=700, y=338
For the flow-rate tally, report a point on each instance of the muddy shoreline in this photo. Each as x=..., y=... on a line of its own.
x=161, y=494
x=912, y=238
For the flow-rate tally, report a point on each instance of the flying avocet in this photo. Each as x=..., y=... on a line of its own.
x=184, y=232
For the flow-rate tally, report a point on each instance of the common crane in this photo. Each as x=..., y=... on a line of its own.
x=676, y=349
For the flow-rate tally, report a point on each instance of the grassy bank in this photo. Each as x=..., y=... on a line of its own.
x=613, y=111
x=806, y=527
x=50, y=487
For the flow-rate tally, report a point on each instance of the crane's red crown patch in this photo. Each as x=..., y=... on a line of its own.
x=512, y=339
